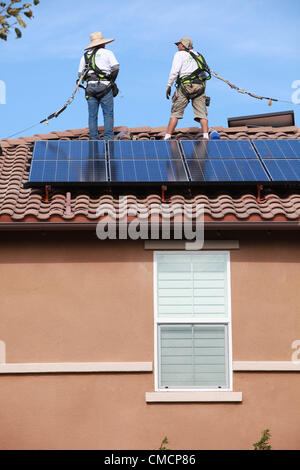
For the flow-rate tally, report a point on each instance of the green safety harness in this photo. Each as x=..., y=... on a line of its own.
x=98, y=75
x=198, y=76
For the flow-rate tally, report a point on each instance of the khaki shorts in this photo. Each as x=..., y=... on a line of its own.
x=180, y=102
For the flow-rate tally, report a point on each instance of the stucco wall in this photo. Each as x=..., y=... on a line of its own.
x=70, y=297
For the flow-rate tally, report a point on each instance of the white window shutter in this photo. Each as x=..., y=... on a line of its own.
x=193, y=356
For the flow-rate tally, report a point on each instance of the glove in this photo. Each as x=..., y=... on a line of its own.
x=168, y=92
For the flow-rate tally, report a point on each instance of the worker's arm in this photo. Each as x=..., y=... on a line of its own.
x=114, y=72
x=175, y=70
x=81, y=66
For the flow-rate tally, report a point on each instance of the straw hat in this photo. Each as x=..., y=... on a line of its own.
x=97, y=39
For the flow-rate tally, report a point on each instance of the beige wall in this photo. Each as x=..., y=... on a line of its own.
x=70, y=297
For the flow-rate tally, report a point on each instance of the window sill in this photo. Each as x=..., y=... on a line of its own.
x=163, y=397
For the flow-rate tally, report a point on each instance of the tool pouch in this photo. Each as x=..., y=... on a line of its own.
x=192, y=91
x=115, y=90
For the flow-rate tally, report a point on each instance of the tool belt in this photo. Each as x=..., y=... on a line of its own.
x=99, y=90
x=95, y=78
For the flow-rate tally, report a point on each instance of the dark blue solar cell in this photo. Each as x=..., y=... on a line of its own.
x=50, y=171
x=203, y=149
x=51, y=152
x=39, y=150
x=36, y=171
x=147, y=171
x=100, y=172
x=74, y=171
x=62, y=171
x=144, y=150
x=283, y=169
x=274, y=149
x=241, y=170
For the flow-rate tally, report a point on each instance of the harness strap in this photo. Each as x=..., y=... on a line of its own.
x=91, y=62
x=198, y=75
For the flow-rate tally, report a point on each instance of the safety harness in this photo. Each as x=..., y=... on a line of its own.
x=198, y=76
x=97, y=75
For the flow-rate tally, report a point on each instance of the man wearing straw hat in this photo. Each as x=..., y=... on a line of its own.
x=103, y=69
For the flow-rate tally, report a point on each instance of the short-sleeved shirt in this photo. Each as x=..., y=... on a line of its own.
x=104, y=59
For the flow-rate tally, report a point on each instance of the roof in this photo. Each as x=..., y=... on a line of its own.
x=19, y=205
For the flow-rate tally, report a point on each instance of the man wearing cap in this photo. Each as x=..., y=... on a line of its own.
x=189, y=87
x=103, y=69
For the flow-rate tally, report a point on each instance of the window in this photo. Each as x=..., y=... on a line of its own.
x=192, y=321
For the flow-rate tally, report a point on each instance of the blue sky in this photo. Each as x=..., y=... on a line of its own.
x=253, y=43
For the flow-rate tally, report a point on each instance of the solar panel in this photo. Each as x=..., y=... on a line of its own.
x=283, y=169
x=222, y=170
x=146, y=162
x=223, y=149
x=144, y=150
x=147, y=171
x=275, y=149
x=281, y=158
x=68, y=162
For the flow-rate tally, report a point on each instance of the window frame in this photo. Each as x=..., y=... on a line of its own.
x=192, y=321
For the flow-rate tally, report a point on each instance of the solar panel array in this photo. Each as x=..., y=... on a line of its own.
x=153, y=162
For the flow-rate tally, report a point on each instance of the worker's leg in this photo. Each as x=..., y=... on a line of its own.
x=172, y=125
x=180, y=102
x=204, y=125
x=200, y=113
x=107, y=105
x=93, y=106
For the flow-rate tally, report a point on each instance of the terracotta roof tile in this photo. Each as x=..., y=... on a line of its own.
x=21, y=204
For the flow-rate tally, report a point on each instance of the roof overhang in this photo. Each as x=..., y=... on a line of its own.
x=280, y=119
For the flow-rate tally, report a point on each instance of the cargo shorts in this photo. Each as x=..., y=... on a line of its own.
x=180, y=102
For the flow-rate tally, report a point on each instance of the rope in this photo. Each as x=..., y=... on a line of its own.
x=57, y=113
x=244, y=92
x=214, y=74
